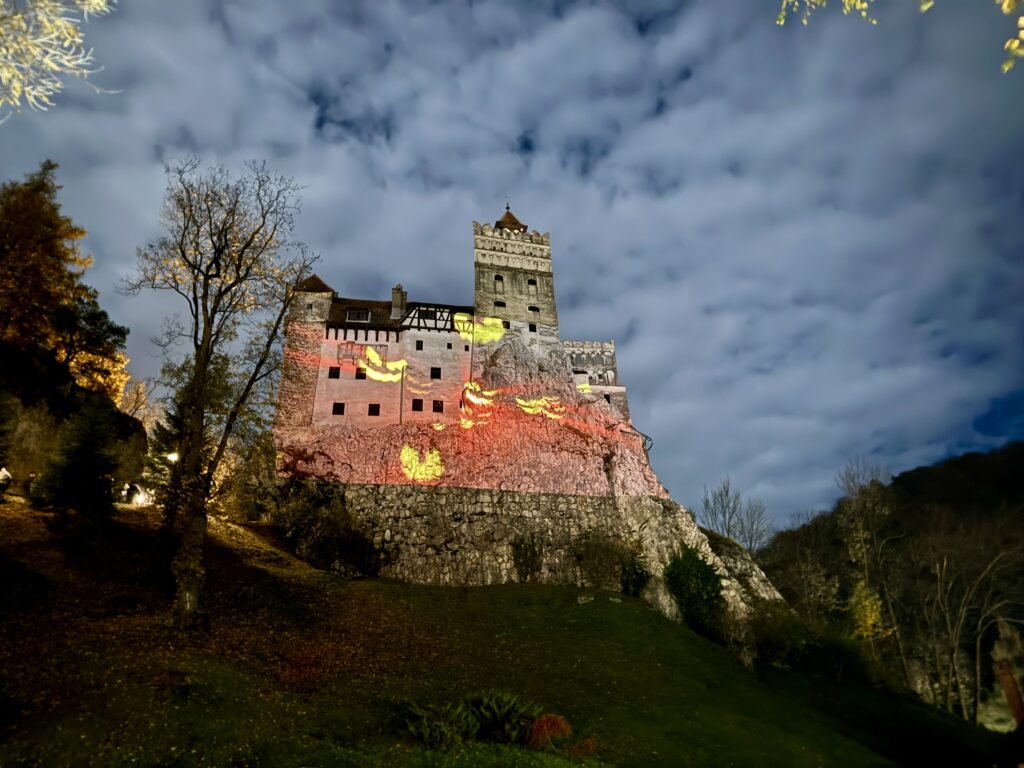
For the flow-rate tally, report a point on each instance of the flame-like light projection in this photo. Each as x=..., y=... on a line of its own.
x=545, y=406
x=429, y=468
x=583, y=387
x=475, y=397
x=438, y=427
x=391, y=371
x=483, y=330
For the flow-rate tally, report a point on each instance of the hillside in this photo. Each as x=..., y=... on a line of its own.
x=298, y=668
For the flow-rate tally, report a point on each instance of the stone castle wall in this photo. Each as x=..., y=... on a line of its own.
x=461, y=536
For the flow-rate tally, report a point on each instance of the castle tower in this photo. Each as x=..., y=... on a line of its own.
x=514, y=279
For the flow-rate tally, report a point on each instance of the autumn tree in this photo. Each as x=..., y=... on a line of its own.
x=47, y=313
x=41, y=41
x=1014, y=46
x=227, y=254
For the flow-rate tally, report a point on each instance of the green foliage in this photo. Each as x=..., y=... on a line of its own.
x=81, y=474
x=495, y=716
x=527, y=557
x=697, y=590
x=782, y=638
x=599, y=558
x=314, y=521
x=633, y=572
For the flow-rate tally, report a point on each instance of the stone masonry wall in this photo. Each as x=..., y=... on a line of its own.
x=462, y=536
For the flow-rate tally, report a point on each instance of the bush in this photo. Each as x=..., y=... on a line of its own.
x=782, y=638
x=697, y=590
x=495, y=716
x=633, y=573
x=80, y=476
x=599, y=558
x=527, y=557
x=546, y=731
x=313, y=519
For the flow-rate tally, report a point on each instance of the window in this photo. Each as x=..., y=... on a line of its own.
x=608, y=399
x=360, y=373
x=427, y=314
x=373, y=409
x=497, y=279
x=417, y=404
x=309, y=307
x=499, y=284
x=357, y=315
x=435, y=373
x=531, y=281
x=419, y=345
x=439, y=406
x=533, y=308
x=506, y=324
x=449, y=345
x=533, y=327
x=467, y=347
x=338, y=409
x=334, y=372
x=499, y=304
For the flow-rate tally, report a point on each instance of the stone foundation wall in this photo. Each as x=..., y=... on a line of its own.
x=465, y=536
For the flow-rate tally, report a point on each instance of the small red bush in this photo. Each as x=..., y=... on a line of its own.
x=546, y=730
x=580, y=750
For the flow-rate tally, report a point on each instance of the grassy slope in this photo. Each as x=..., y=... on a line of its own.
x=299, y=669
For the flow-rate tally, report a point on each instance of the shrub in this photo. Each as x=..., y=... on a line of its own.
x=494, y=716
x=547, y=730
x=599, y=558
x=782, y=638
x=527, y=557
x=314, y=521
x=697, y=590
x=633, y=573
x=80, y=476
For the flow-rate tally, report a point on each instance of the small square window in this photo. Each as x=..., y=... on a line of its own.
x=427, y=314
x=338, y=409
x=533, y=327
x=608, y=399
x=435, y=373
x=439, y=406
x=309, y=307
x=506, y=324
x=360, y=373
x=467, y=347
x=334, y=372
x=449, y=345
x=357, y=315
x=417, y=404
x=499, y=304
x=373, y=409
x=419, y=345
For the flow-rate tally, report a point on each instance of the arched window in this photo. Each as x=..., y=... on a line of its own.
x=499, y=279
x=498, y=304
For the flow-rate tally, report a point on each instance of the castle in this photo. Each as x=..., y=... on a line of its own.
x=459, y=432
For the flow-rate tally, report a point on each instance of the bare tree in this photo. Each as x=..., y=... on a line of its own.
x=724, y=512
x=227, y=254
x=753, y=528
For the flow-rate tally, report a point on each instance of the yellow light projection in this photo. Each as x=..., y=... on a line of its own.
x=430, y=467
x=546, y=406
x=477, y=396
x=583, y=387
x=373, y=364
x=438, y=427
x=483, y=331
x=474, y=395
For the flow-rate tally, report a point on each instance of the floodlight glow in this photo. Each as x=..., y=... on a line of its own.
x=429, y=468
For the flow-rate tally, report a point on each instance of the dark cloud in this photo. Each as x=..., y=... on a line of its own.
x=806, y=241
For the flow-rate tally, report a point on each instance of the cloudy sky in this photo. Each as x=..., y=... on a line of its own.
x=808, y=243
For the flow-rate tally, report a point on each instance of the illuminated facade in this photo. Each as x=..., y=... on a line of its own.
x=374, y=363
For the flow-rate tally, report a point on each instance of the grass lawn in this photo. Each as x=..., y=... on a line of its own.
x=297, y=668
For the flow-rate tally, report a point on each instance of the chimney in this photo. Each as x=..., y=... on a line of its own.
x=398, y=297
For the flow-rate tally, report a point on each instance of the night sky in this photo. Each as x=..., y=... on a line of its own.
x=806, y=242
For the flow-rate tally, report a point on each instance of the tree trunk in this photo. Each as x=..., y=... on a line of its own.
x=188, y=568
